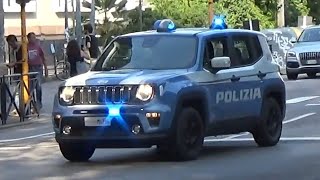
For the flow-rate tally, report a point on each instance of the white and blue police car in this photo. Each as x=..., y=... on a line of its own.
x=172, y=87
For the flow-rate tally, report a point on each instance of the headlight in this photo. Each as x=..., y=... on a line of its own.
x=144, y=92
x=67, y=94
x=291, y=54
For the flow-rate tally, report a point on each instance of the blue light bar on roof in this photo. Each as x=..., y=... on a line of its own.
x=219, y=22
x=165, y=25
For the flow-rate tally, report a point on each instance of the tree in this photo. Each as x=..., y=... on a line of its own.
x=314, y=6
x=239, y=11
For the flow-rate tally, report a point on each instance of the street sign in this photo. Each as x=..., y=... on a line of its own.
x=22, y=1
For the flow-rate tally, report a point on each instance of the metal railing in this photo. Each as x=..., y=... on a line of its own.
x=10, y=89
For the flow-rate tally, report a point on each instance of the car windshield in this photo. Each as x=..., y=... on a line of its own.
x=149, y=52
x=310, y=35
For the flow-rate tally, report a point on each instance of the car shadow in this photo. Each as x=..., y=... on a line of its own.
x=141, y=156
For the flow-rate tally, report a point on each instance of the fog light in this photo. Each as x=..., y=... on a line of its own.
x=66, y=130
x=153, y=115
x=57, y=117
x=136, y=129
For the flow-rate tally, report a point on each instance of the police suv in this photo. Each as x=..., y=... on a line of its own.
x=171, y=88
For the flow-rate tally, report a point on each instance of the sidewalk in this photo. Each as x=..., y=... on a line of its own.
x=49, y=89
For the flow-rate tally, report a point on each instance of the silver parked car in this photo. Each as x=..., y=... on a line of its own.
x=304, y=56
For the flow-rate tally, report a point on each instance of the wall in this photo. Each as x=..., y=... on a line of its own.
x=46, y=20
x=279, y=39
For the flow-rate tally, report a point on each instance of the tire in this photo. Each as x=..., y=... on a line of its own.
x=63, y=70
x=292, y=76
x=312, y=75
x=76, y=152
x=188, y=138
x=269, y=129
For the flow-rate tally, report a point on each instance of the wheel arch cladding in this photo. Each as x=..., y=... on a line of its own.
x=279, y=97
x=196, y=99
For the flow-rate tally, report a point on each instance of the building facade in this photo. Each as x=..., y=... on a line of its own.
x=44, y=17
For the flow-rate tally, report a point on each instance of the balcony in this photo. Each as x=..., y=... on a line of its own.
x=58, y=6
x=10, y=6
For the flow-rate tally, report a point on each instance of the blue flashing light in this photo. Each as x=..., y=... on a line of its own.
x=219, y=22
x=165, y=25
x=156, y=24
x=114, y=111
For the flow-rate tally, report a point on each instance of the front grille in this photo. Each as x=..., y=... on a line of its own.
x=309, y=56
x=95, y=95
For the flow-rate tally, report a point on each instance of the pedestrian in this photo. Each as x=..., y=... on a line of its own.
x=15, y=52
x=91, y=43
x=76, y=58
x=37, y=62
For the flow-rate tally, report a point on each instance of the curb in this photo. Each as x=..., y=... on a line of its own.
x=26, y=122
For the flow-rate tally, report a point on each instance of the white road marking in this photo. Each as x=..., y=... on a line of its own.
x=24, y=138
x=284, y=122
x=251, y=139
x=14, y=148
x=300, y=99
x=312, y=105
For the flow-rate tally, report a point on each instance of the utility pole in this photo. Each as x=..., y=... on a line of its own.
x=25, y=67
x=140, y=15
x=78, y=23
x=66, y=24
x=73, y=18
x=92, y=15
x=210, y=10
x=280, y=13
x=2, y=44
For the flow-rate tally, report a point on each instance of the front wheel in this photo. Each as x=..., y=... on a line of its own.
x=188, y=138
x=292, y=76
x=312, y=75
x=269, y=129
x=76, y=152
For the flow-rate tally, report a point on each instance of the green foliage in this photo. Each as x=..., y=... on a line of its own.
x=314, y=6
x=239, y=11
x=194, y=13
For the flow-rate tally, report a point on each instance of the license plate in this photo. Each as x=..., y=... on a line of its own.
x=97, y=121
x=312, y=62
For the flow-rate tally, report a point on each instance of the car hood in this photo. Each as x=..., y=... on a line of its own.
x=306, y=47
x=123, y=76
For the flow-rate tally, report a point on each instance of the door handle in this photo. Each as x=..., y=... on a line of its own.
x=235, y=79
x=261, y=75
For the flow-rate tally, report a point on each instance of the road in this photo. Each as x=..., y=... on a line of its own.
x=30, y=152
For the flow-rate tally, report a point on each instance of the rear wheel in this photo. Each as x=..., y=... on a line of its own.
x=188, y=138
x=76, y=152
x=269, y=129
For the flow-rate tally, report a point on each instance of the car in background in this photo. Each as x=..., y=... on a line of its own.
x=304, y=56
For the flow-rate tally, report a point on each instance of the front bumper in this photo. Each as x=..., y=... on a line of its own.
x=119, y=133
x=295, y=67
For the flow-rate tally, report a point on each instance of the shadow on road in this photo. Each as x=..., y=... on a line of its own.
x=137, y=156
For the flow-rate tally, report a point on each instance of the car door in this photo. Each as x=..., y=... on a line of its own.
x=221, y=85
x=235, y=93
x=248, y=89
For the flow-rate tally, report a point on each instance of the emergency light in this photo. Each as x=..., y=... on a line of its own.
x=219, y=22
x=165, y=25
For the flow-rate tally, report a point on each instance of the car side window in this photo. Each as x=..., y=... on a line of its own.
x=247, y=49
x=218, y=47
x=215, y=47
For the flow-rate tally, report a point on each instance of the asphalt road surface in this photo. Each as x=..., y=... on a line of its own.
x=30, y=152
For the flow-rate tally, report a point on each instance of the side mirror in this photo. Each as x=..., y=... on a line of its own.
x=220, y=63
x=52, y=49
x=293, y=40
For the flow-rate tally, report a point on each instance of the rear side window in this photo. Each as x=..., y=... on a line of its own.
x=247, y=49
